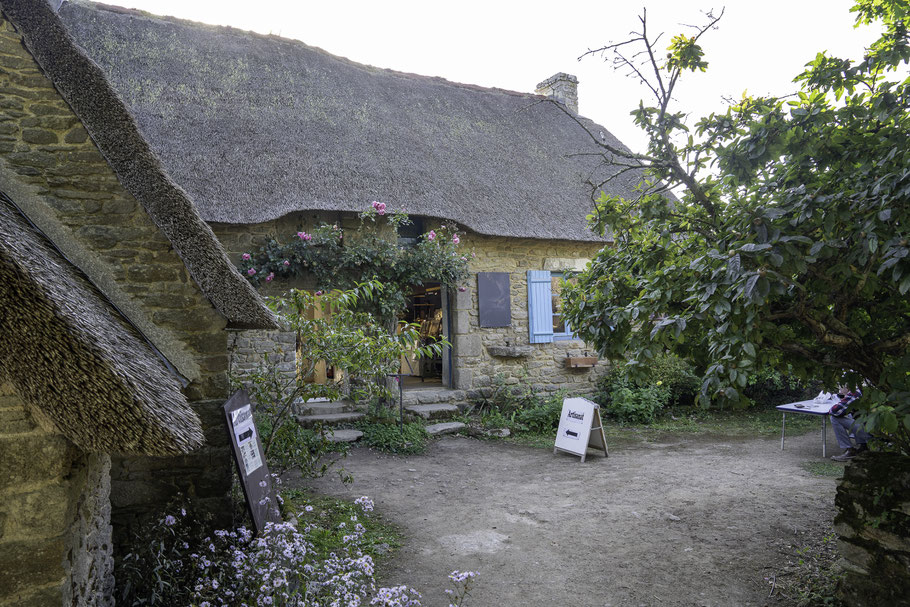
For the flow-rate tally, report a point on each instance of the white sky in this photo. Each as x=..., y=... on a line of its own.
x=760, y=46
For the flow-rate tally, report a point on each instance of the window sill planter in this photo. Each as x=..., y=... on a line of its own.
x=580, y=362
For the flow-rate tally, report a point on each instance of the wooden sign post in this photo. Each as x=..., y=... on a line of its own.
x=579, y=428
x=250, y=459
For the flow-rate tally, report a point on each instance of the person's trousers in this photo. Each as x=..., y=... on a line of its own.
x=843, y=426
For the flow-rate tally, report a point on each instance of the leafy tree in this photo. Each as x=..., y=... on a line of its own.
x=787, y=242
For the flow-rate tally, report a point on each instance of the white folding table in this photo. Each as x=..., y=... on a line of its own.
x=807, y=407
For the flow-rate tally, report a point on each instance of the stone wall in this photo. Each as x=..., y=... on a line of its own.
x=55, y=526
x=52, y=169
x=480, y=354
x=145, y=486
x=249, y=350
x=479, y=351
x=873, y=524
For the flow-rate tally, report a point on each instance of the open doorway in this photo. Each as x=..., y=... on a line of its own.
x=426, y=308
x=322, y=373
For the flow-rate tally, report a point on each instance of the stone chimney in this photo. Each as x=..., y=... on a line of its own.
x=563, y=88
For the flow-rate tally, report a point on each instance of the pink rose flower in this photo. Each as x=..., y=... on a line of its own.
x=455, y=239
x=303, y=236
x=286, y=263
x=251, y=271
x=245, y=257
x=431, y=235
x=270, y=277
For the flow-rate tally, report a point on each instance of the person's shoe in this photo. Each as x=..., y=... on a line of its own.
x=847, y=455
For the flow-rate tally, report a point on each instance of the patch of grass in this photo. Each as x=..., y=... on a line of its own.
x=747, y=423
x=384, y=436
x=811, y=574
x=327, y=513
x=542, y=441
x=756, y=421
x=824, y=468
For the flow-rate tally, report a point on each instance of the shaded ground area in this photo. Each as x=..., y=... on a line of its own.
x=691, y=520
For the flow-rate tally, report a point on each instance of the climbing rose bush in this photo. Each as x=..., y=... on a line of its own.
x=334, y=258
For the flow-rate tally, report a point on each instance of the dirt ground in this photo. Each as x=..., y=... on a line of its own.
x=694, y=521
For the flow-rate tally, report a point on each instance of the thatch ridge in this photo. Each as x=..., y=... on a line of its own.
x=254, y=127
x=72, y=357
x=84, y=86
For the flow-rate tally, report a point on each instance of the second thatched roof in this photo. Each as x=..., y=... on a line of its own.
x=72, y=357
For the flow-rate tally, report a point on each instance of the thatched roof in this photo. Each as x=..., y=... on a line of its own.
x=254, y=127
x=77, y=361
x=84, y=86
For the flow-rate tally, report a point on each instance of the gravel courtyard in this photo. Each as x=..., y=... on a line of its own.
x=696, y=520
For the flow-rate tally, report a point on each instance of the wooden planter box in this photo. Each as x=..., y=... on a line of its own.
x=579, y=362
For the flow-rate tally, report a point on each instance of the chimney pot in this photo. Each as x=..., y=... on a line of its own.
x=563, y=88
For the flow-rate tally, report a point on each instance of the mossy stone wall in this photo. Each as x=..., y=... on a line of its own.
x=873, y=524
x=55, y=515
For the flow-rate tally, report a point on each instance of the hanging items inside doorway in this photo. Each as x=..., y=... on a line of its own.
x=425, y=309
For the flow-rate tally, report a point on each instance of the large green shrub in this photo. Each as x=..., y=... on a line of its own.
x=518, y=407
x=770, y=387
x=669, y=381
x=677, y=376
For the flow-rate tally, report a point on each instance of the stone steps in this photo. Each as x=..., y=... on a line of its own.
x=343, y=436
x=325, y=408
x=433, y=396
x=434, y=411
x=444, y=428
x=329, y=419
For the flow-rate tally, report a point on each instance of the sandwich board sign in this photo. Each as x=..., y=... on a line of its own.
x=250, y=459
x=579, y=428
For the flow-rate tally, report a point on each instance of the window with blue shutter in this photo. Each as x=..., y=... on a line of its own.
x=540, y=307
x=545, y=320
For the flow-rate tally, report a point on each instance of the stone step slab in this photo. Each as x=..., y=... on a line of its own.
x=444, y=428
x=343, y=436
x=325, y=408
x=429, y=396
x=328, y=419
x=437, y=411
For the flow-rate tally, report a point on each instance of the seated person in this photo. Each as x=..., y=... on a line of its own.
x=843, y=424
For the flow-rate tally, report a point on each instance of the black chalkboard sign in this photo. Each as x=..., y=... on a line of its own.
x=249, y=456
x=493, y=299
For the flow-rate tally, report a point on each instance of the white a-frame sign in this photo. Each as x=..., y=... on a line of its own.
x=579, y=428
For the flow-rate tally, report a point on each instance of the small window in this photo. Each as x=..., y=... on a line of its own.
x=561, y=329
x=546, y=322
x=409, y=234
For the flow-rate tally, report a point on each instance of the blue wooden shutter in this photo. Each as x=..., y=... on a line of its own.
x=540, y=307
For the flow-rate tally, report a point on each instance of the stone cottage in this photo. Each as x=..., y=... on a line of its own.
x=115, y=298
x=269, y=136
